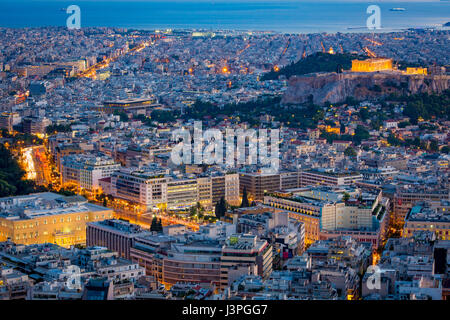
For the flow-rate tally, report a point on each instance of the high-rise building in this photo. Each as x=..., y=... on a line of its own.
x=155, y=188
x=244, y=250
x=6, y=121
x=33, y=125
x=182, y=193
x=147, y=186
x=257, y=183
x=226, y=186
x=328, y=212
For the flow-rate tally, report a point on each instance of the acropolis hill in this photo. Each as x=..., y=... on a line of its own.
x=368, y=79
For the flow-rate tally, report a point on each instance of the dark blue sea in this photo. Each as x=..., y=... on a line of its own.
x=270, y=15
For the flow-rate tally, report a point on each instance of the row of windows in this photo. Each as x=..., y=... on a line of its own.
x=32, y=225
x=60, y=220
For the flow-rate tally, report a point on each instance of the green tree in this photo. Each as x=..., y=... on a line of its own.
x=154, y=226
x=192, y=211
x=434, y=146
x=317, y=62
x=11, y=176
x=361, y=134
x=350, y=152
x=199, y=207
x=162, y=116
x=123, y=115
x=220, y=208
x=58, y=128
x=245, y=203
x=393, y=140
x=364, y=114
x=346, y=196
x=403, y=124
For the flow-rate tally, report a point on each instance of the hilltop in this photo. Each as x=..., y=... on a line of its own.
x=317, y=62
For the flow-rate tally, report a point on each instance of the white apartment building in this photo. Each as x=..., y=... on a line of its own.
x=147, y=186
x=156, y=189
x=327, y=205
x=328, y=178
x=86, y=170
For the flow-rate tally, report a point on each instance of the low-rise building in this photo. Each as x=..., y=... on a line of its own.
x=432, y=216
x=48, y=218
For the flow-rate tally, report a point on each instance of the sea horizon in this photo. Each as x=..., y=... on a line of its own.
x=280, y=17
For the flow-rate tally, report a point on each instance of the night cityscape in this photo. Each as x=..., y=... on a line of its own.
x=209, y=164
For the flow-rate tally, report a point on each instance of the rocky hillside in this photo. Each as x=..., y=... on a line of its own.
x=335, y=88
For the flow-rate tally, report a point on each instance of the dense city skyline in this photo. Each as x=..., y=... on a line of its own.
x=221, y=164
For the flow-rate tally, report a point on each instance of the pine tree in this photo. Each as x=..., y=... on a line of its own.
x=217, y=210
x=154, y=225
x=221, y=208
x=245, y=202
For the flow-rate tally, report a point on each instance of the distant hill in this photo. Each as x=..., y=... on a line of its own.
x=317, y=62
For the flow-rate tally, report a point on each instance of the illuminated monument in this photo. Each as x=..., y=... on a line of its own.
x=417, y=70
x=372, y=65
x=383, y=64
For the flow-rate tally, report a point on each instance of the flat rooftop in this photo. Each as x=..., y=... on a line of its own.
x=44, y=204
x=430, y=212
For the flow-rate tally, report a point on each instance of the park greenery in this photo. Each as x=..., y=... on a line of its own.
x=426, y=106
x=361, y=133
x=58, y=128
x=306, y=116
x=20, y=139
x=12, y=182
